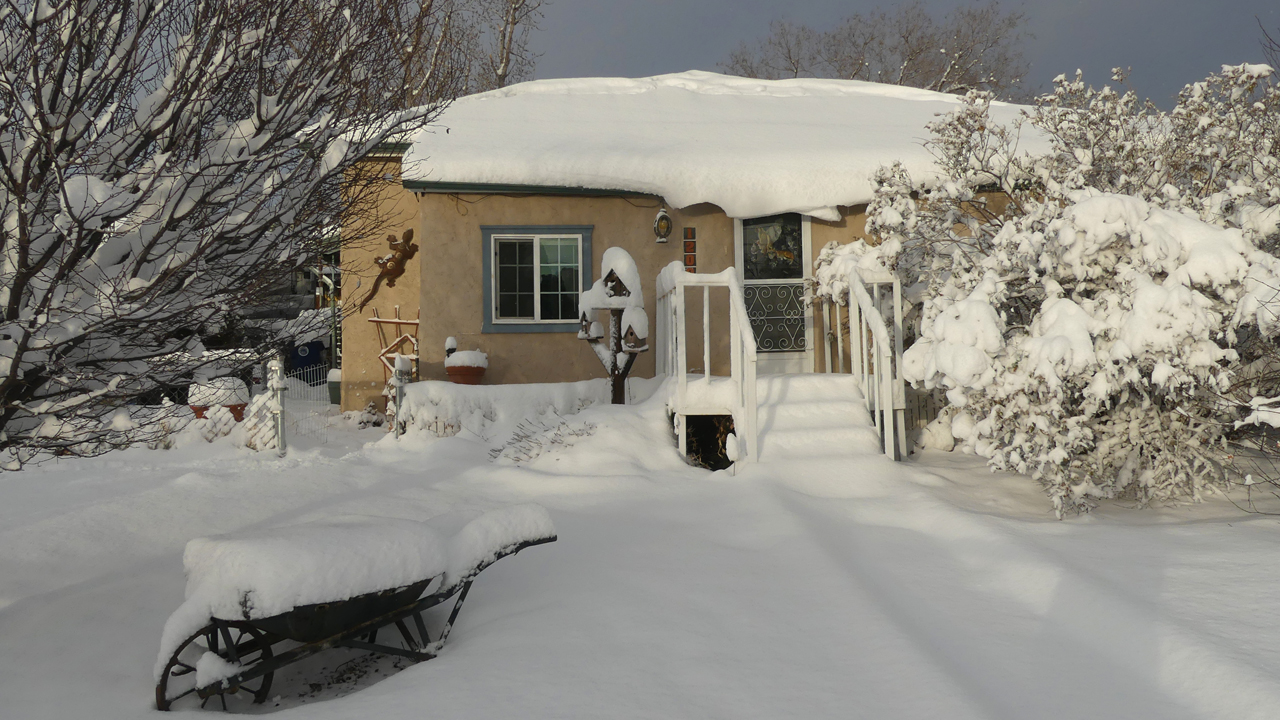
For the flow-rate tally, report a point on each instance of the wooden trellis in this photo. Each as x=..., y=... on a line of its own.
x=390, y=350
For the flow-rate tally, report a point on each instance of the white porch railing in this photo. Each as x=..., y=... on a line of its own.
x=875, y=354
x=735, y=395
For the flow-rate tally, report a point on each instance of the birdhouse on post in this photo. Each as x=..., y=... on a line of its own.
x=618, y=293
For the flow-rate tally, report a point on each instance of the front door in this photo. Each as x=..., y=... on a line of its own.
x=773, y=260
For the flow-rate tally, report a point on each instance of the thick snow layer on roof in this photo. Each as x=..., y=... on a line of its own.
x=752, y=147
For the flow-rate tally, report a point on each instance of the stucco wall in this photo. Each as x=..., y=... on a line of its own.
x=450, y=264
x=452, y=293
x=363, y=377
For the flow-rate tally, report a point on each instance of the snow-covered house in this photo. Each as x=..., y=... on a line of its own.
x=513, y=196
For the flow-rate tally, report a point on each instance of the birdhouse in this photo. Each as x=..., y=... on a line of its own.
x=614, y=286
x=632, y=343
x=589, y=329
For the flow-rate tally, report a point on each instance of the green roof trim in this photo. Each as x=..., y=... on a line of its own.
x=513, y=189
x=390, y=148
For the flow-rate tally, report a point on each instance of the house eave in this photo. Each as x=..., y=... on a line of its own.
x=466, y=188
x=388, y=150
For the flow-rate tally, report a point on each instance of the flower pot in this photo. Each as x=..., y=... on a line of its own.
x=465, y=374
x=228, y=392
x=237, y=410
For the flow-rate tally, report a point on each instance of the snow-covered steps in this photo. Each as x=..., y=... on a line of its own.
x=807, y=387
x=808, y=416
x=813, y=413
x=804, y=444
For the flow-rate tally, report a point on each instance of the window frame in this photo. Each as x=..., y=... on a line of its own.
x=491, y=234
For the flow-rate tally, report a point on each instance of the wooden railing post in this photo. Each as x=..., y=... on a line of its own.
x=827, y=333
x=706, y=331
x=898, y=383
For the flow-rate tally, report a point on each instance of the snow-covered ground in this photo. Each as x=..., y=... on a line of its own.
x=834, y=584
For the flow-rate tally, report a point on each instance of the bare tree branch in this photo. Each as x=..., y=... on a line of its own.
x=506, y=25
x=971, y=48
x=1270, y=45
x=163, y=164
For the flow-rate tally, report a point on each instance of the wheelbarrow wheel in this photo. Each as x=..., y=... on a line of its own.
x=251, y=646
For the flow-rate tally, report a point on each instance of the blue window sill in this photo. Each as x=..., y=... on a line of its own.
x=493, y=327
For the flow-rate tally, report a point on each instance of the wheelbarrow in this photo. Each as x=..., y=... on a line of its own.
x=236, y=654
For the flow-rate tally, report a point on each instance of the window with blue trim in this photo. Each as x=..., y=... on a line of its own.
x=533, y=277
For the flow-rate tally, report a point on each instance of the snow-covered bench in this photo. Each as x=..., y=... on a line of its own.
x=324, y=584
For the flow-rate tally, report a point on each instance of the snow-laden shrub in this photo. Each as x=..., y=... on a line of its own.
x=444, y=409
x=1217, y=153
x=1086, y=349
x=1088, y=310
x=218, y=391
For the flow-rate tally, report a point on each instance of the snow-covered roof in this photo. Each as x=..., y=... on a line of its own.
x=752, y=147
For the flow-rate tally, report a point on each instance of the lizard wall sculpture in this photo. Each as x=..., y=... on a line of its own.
x=392, y=264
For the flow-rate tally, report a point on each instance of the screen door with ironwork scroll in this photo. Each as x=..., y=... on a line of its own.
x=774, y=258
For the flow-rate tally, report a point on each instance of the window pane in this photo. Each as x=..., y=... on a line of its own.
x=569, y=306
x=506, y=252
x=525, y=280
x=507, y=305
x=569, y=252
x=550, y=306
x=507, y=279
x=569, y=279
x=550, y=252
x=515, y=305
x=526, y=253
x=550, y=281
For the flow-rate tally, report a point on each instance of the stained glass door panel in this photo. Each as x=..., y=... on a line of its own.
x=772, y=248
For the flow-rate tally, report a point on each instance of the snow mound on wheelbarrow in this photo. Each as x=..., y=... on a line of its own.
x=258, y=574
x=479, y=542
x=265, y=573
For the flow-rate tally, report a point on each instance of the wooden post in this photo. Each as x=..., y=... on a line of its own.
x=618, y=373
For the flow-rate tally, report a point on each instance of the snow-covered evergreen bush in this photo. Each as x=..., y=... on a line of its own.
x=1091, y=311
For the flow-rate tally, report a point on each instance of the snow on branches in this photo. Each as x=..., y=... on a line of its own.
x=1091, y=311
x=161, y=164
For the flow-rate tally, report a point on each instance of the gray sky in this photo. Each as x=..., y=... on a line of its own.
x=1168, y=43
